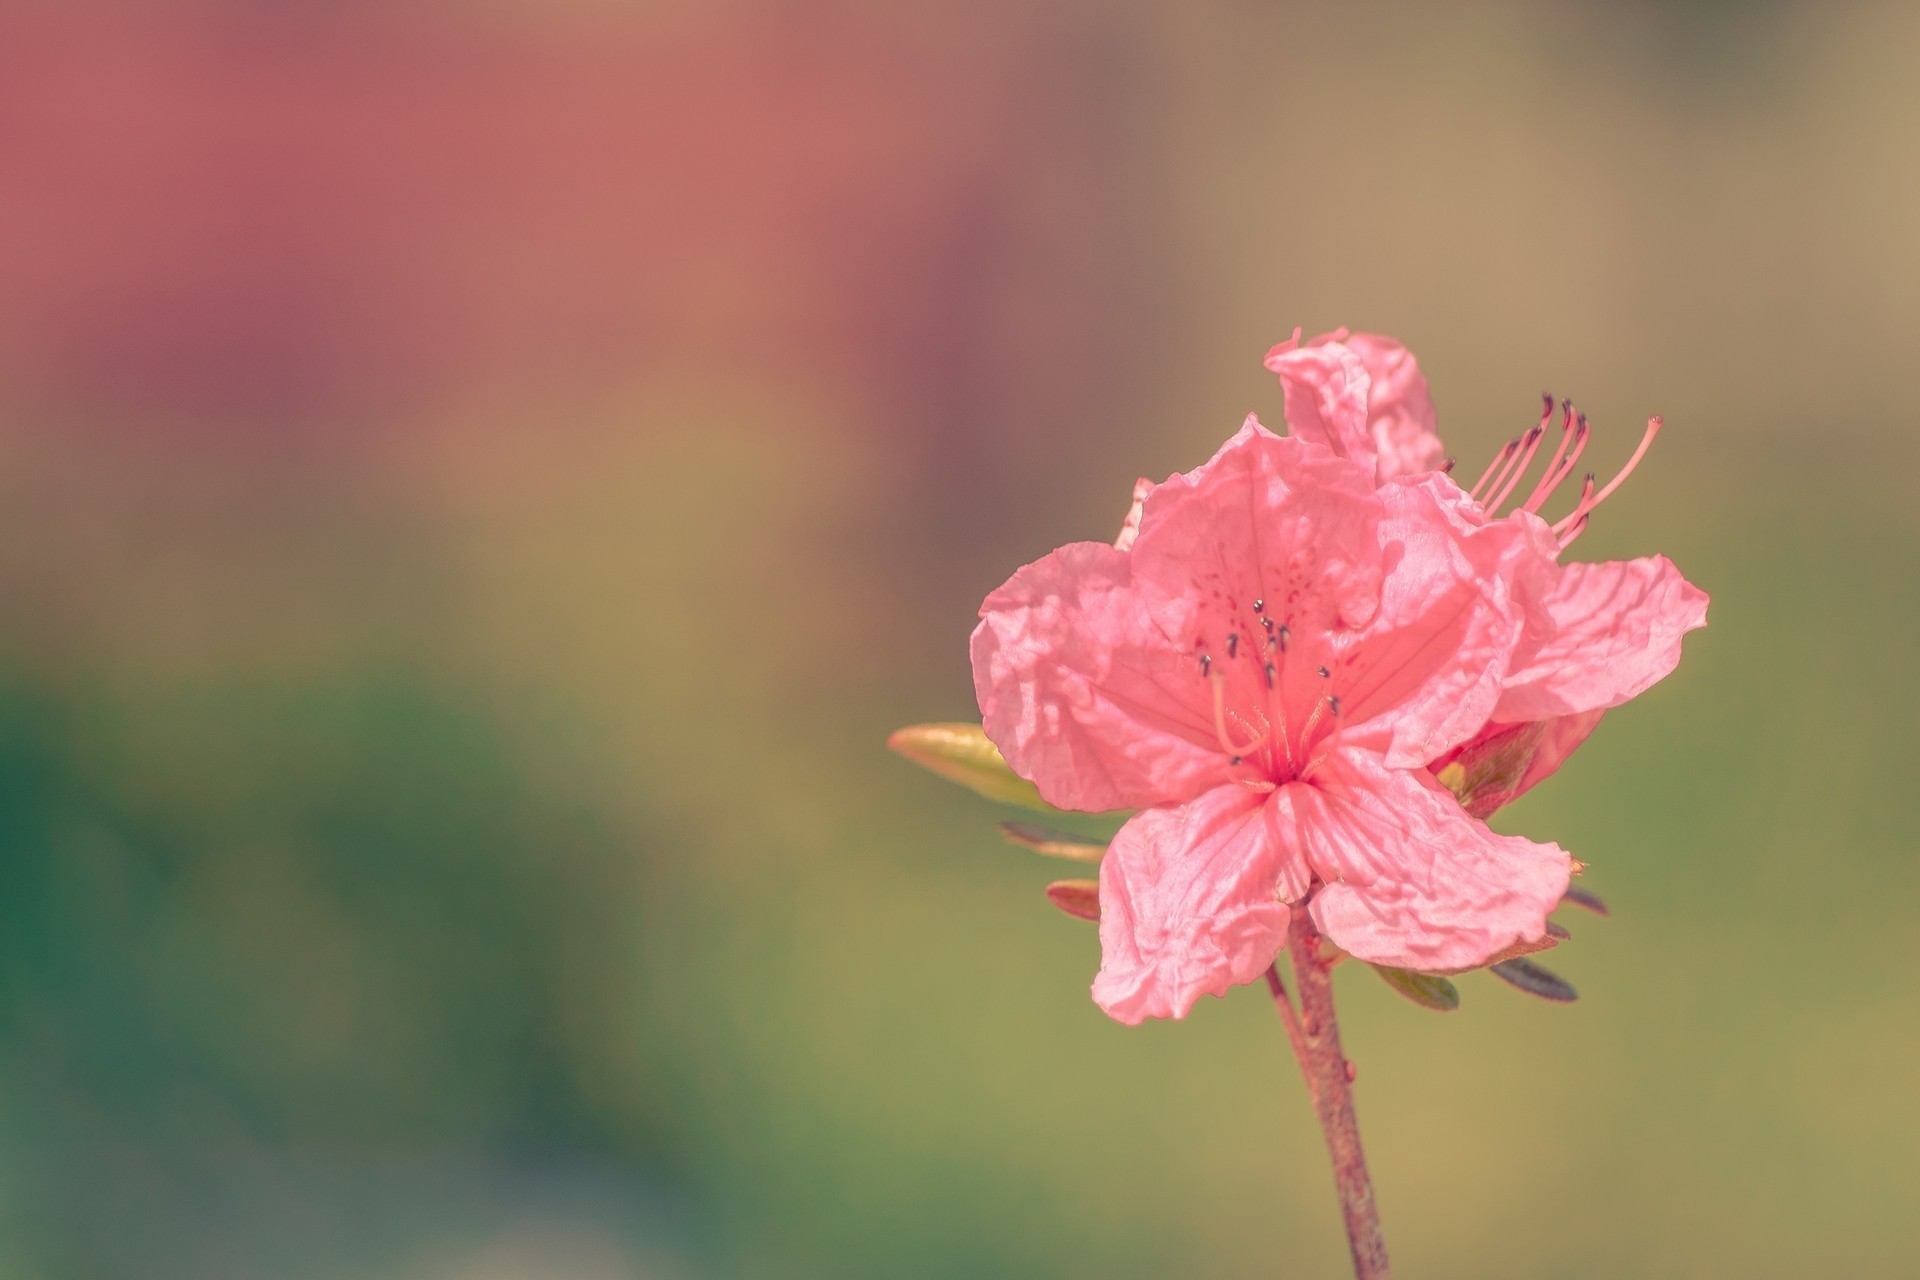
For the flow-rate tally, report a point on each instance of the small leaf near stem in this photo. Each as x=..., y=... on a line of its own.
x=1428, y=990
x=1536, y=980
x=1585, y=898
x=1054, y=844
x=962, y=753
x=1078, y=898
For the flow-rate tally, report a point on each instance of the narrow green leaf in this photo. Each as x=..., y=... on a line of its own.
x=1055, y=844
x=1535, y=980
x=1428, y=990
x=961, y=753
x=1079, y=898
x=1585, y=898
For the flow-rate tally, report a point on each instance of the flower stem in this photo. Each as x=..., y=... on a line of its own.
x=1315, y=1037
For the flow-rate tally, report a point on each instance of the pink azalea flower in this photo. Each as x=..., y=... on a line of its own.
x=1265, y=666
x=1596, y=634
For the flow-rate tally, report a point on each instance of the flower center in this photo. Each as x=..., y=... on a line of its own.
x=1271, y=710
x=1496, y=484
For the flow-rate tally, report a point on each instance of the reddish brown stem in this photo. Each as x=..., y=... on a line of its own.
x=1315, y=1037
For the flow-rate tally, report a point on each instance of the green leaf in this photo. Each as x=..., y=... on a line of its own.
x=1078, y=898
x=1428, y=990
x=1055, y=844
x=1535, y=980
x=961, y=753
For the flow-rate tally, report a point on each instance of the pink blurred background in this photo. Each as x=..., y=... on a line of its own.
x=479, y=481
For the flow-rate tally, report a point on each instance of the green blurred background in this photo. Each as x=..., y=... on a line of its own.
x=479, y=481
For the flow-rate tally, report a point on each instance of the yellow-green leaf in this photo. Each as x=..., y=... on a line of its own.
x=1428, y=990
x=961, y=753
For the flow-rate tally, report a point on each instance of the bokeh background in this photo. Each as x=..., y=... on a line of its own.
x=478, y=482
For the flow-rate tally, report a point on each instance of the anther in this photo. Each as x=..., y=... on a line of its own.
x=1281, y=635
x=1580, y=508
x=1271, y=673
x=1446, y=468
x=1333, y=704
x=1551, y=475
x=1324, y=673
x=1258, y=605
x=1206, y=664
x=1233, y=643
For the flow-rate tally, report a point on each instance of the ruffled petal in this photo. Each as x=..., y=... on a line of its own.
x=1400, y=414
x=1084, y=695
x=1326, y=388
x=1428, y=671
x=1599, y=634
x=1267, y=519
x=1190, y=903
x=1410, y=880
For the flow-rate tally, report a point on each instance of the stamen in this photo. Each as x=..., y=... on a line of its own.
x=1533, y=438
x=1506, y=451
x=1580, y=508
x=1522, y=455
x=1219, y=682
x=1582, y=433
x=1544, y=485
x=1646, y=441
x=1313, y=721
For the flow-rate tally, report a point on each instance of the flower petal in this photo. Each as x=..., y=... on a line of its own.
x=1410, y=880
x=1598, y=635
x=1326, y=388
x=1190, y=903
x=1427, y=672
x=1084, y=695
x=1266, y=519
x=1399, y=411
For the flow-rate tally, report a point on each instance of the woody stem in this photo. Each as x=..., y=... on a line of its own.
x=1315, y=1037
